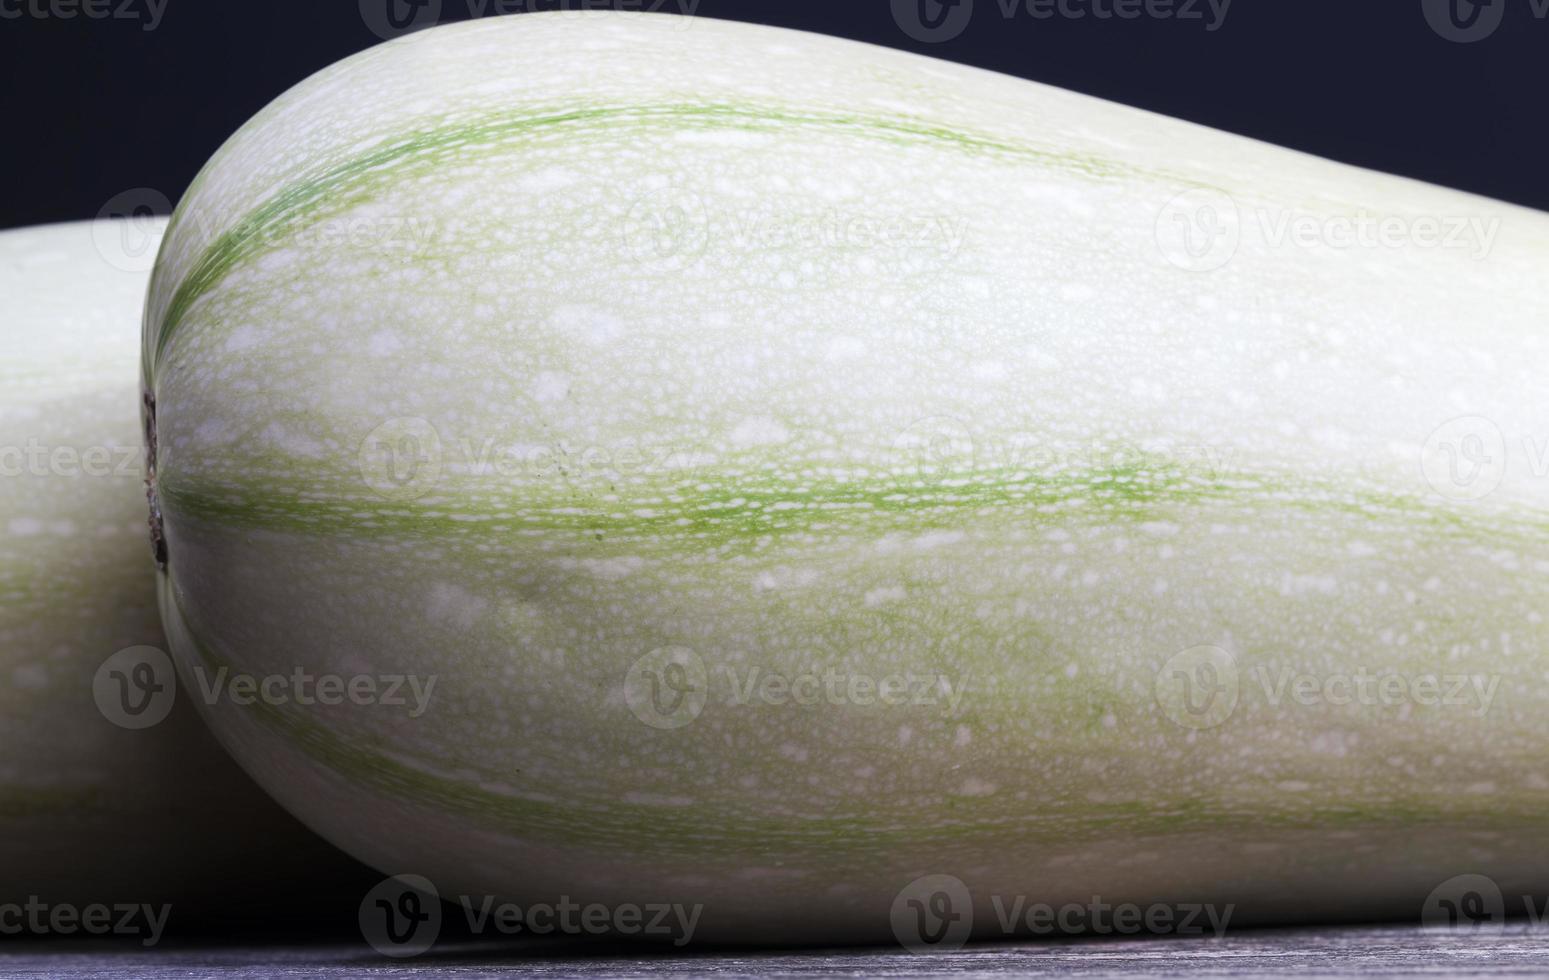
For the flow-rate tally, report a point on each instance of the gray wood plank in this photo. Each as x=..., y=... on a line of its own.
x=1391, y=951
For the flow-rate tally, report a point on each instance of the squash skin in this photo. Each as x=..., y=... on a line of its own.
x=1039, y=463
x=92, y=813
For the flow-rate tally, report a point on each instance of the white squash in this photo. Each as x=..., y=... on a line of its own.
x=569, y=362
x=91, y=812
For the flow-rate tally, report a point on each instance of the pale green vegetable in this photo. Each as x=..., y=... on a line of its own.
x=570, y=361
x=91, y=812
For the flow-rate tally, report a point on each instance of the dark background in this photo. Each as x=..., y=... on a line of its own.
x=98, y=105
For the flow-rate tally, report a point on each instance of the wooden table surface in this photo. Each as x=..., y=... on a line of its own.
x=1519, y=950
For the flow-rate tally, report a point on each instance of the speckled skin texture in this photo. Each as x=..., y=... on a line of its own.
x=91, y=812
x=544, y=354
